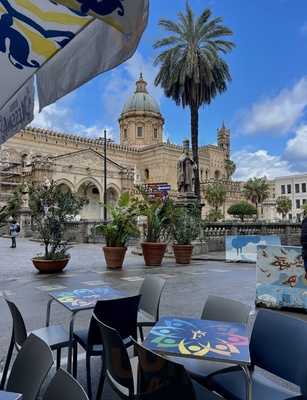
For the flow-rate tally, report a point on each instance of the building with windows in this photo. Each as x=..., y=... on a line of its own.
x=295, y=188
x=76, y=163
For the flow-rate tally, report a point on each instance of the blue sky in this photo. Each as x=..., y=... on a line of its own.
x=265, y=105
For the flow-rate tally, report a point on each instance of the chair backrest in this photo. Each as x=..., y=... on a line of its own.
x=117, y=365
x=279, y=345
x=120, y=314
x=30, y=368
x=19, y=327
x=151, y=291
x=222, y=309
x=160, y=378
x=64, y=387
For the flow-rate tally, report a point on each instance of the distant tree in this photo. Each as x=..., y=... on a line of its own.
x=242, y=210
x=257, y=190
x=304, y=207
x=215, y=195
x=283, y=205
x=230, y=168
x=215, y=215
x=192, y=71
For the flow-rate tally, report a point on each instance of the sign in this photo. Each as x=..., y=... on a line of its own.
x=157, y=189
x=17, y=113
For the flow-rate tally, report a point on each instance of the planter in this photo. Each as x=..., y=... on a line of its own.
x=49, y=266
x=114, y=256
x=183, y=253
x=153, y=253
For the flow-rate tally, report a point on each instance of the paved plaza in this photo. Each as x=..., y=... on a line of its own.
x=186, y=290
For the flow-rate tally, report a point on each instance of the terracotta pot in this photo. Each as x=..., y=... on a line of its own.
x=49, y=266
x=153, y=253
x=183, y=253
x=114, y=256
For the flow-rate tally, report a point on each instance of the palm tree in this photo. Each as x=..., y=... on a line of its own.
x=256, y=190
x=283, y=205
x=192, y=71
x=215, y=195
x=230, y=168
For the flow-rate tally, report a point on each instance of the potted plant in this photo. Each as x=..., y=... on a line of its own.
x=185, y=227
x=117, y=231
x=156, y=231
x=51, y=209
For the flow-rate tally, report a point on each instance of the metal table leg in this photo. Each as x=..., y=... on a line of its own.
x=71, y=341
x=48, y=311
x=249, y=384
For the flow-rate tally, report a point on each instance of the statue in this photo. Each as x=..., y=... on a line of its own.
x=186, y=171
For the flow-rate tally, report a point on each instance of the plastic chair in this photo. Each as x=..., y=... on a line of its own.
x=64, y=387
x=120, y=314
x=278, y=345
x=117, y=368
x=30, y=368
x=55, y=336
x=222, y=309
x=161, y=378
x=216, y=309
x=151, y=291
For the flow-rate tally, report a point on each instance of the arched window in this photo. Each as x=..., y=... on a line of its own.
x=155, y=133
x=207, y=174
x=146, y=173
x=125, y=133
x=139, y=131
x=217, y=175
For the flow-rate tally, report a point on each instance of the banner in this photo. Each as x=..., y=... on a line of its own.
x=18, y=112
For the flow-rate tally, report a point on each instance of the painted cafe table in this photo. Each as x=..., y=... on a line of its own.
x=226, y=342
x=80, y=300
x=10, y=396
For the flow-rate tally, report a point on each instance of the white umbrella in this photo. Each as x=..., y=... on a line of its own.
x=65, y=45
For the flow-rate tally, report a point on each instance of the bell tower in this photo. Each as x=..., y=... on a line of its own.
x=223, y=139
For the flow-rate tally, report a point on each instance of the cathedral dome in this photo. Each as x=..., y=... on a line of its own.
x=141, y=100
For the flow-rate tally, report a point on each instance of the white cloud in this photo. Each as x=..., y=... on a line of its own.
x=260, y=163
x=60, y=117
x=277, y=114
x=121, y=84
x=296, y=149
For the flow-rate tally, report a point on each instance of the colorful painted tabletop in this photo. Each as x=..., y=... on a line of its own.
x=10, y=396
x=85, y=299
x=211, y=340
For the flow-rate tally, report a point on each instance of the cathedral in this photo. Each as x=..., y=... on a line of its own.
x=76, y=163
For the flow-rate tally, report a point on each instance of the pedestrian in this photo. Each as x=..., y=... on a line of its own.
x=14, y=230
x=304, y=241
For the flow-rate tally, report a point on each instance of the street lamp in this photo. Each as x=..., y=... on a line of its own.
x=105, y=177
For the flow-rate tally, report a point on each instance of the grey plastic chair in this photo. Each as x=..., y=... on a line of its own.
x=216, y=309
x=222, y=309
x=163, y=379
x=30, y=368
x=278, y=345
x=151, y=292
x=55, y=336
x=64, y=387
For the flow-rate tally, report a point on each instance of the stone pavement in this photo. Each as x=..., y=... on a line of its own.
x=186, y=290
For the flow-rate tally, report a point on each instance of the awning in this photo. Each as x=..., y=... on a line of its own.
x=65, y=45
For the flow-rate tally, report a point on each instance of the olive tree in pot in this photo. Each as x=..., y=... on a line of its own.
x=117, y=231
x=185, y=227
x=51, y=209
x=157, y=212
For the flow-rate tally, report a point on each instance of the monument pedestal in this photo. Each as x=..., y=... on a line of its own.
x=186, y=199
x=25, y=222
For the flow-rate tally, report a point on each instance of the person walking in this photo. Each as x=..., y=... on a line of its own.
x=14, y=230
x=304, y=241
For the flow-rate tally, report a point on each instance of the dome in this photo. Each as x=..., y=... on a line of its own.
x=141, y=100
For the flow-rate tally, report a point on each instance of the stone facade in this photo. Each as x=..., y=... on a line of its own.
x=77, y=163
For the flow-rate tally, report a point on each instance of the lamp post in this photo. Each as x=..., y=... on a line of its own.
x=105, y=177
